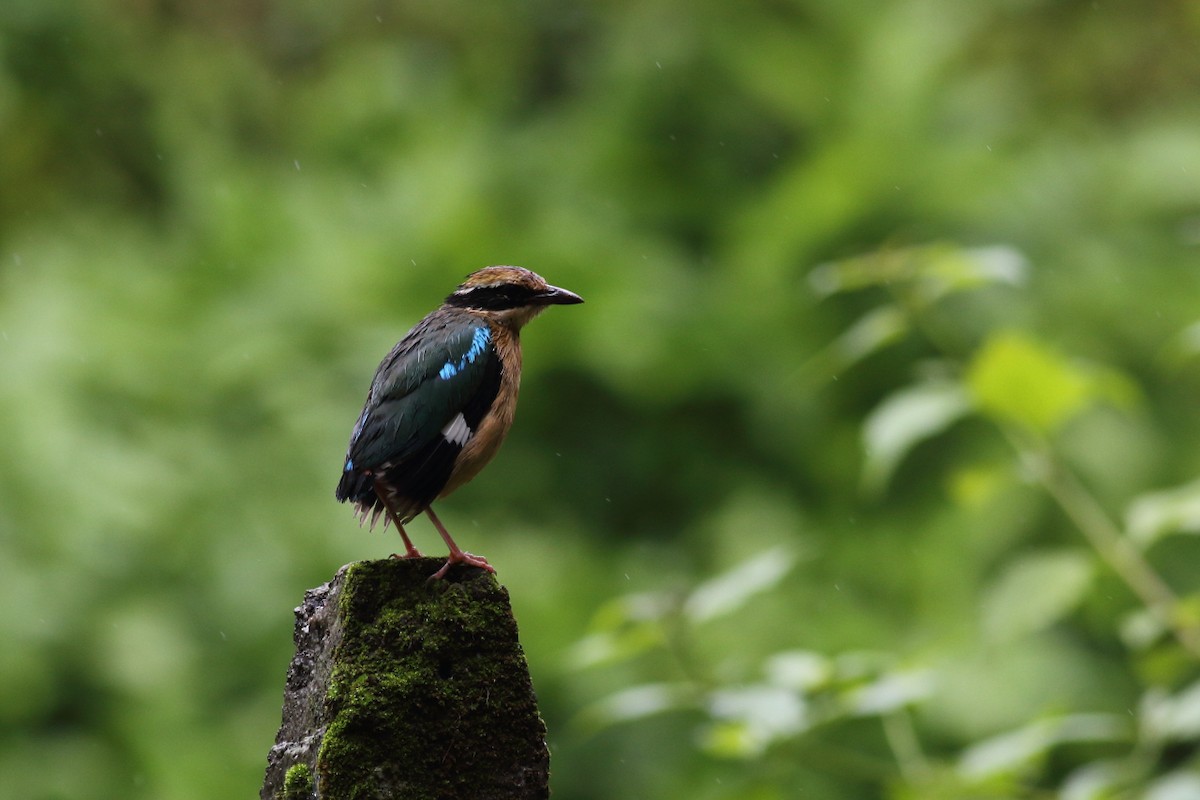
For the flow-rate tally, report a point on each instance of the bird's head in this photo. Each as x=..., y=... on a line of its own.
x=508, y=295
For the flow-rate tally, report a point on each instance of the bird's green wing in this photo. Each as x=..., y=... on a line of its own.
x=429, y=378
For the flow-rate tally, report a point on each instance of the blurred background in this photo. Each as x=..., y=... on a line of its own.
x=868, y=470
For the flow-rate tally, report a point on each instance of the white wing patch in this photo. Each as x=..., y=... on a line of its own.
x=457, y=431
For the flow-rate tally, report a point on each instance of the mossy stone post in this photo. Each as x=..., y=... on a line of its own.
x=406, y=688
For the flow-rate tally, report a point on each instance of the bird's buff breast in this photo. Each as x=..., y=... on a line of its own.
x=492, y=428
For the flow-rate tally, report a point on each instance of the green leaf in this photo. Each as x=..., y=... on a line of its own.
x=1156, y=514
x=638, y=702
x=1171, y=718
x=1016, y=379
x=934, y=270
x=1012, y=752
x=1181, y=784
x=891, y=692
x=877, y=328
x=607, y=647
x=1034, y=592
x=974, y=485
x=730, y=590
x=1184, y=346
x=731, y=739
x=1008, y=752
x=1097, y=780
x=1141, y=628
x=750, y=718
x=905, y=419
x=623, y=628
x=802, y=670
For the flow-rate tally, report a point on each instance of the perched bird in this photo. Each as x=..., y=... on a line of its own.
x=441, y=402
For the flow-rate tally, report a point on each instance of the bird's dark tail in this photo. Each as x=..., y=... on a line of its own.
x=359, y=489
x=356, y=487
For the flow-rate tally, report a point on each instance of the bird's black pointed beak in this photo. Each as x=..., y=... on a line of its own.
x=554, y=296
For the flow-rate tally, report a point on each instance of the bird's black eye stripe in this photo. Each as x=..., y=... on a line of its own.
x=493, y=298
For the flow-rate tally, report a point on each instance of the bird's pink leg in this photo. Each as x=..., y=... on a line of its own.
x=457, y=554
x=409, y=550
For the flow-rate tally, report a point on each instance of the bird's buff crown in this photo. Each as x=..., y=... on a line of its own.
x=505, y=288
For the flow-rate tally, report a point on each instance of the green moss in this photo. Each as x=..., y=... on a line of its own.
x=431, y=695
x=298, y=783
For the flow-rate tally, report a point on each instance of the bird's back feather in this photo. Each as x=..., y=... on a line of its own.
x=427, y=398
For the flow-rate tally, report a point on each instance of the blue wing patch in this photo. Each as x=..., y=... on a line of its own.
x=479, y=343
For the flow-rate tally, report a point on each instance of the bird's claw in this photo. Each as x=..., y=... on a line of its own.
x=411, y=553
x=462, y=557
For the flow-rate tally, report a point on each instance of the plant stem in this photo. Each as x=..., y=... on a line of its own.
x=902, y=739
x=1106, y=538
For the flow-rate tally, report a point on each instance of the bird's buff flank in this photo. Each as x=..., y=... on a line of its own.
x=442, y=401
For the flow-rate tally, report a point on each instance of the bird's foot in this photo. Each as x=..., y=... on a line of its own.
x=462, y=557
x=412, y=552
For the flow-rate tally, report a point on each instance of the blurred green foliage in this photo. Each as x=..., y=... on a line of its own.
x=867, y=470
